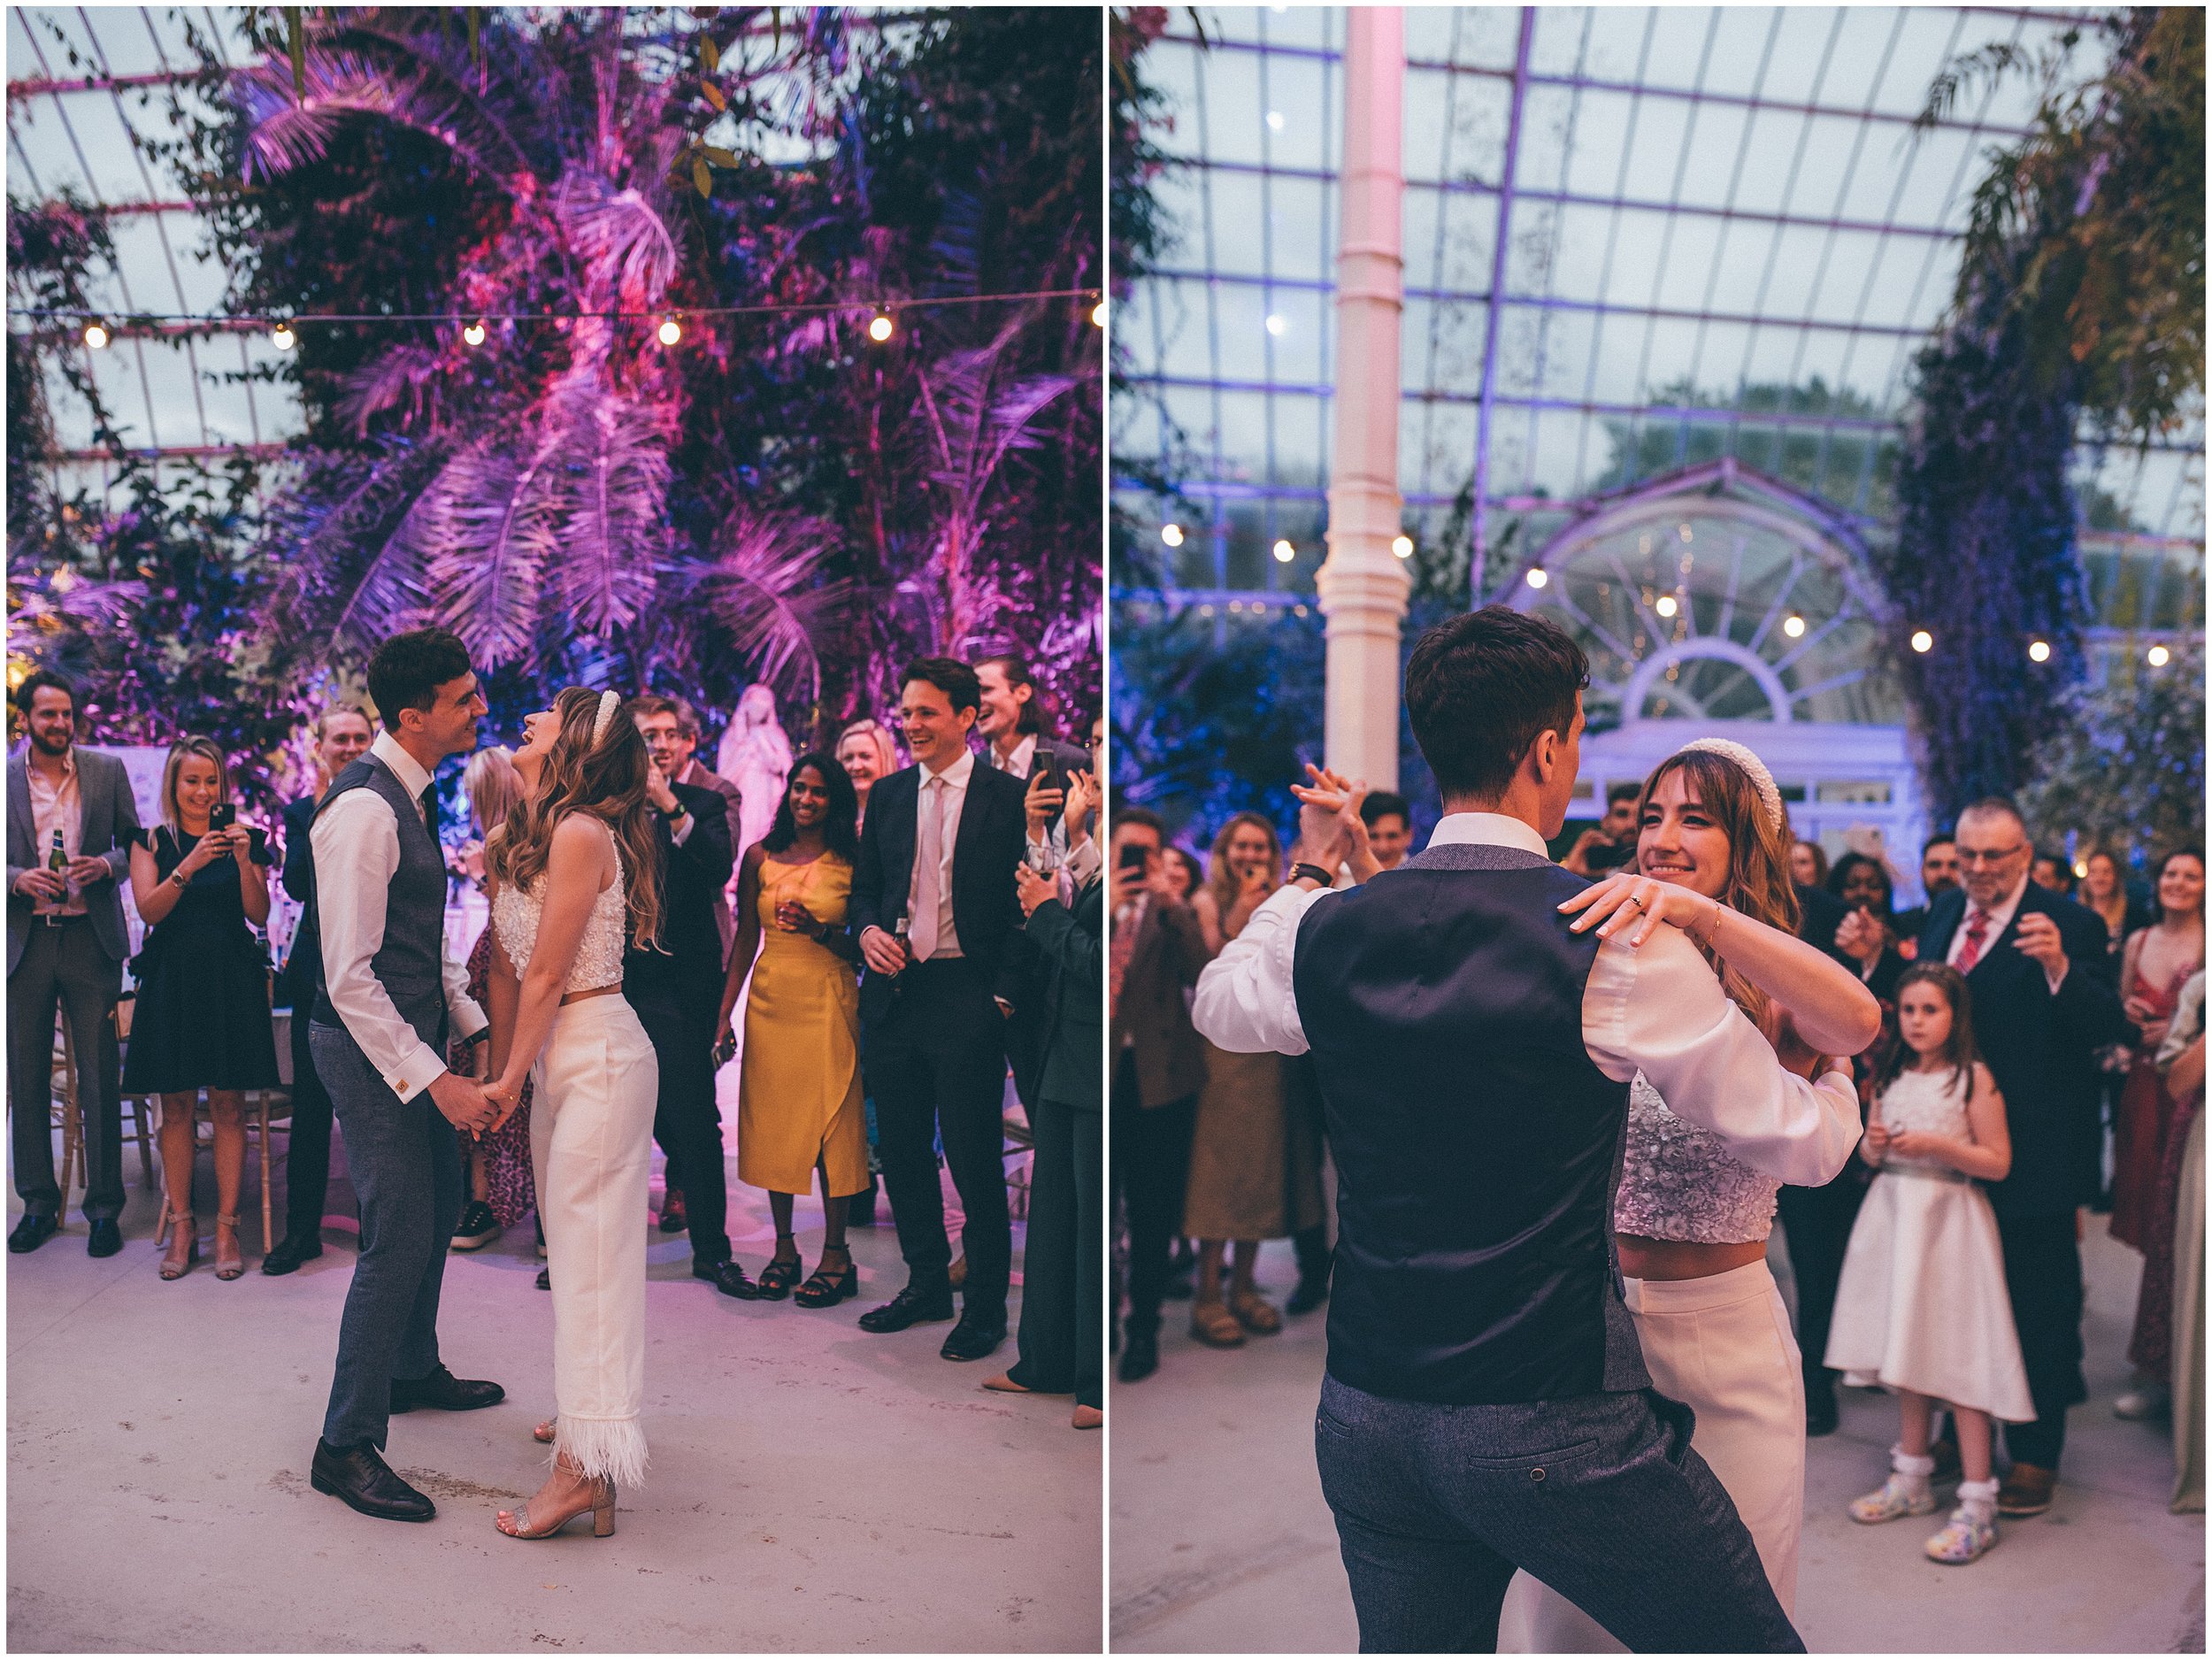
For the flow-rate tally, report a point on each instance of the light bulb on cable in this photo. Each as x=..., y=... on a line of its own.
x=1537, y=577
x=1793, y=626
x=1403, y=546
x=1098, y=315
x=474, y=333
x=1284, y=552
x=670, y=331
x=95, y=334
x=2158, y=656
x=879, y=328
x=1666, y=607
x=1171, y=534
x=282, y=337
x=1922, y=640
x=2038, y=651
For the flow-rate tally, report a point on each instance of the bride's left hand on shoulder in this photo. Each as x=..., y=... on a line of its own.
x=1636, y=905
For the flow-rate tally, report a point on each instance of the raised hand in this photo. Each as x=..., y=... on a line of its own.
x=1041, y=806
x=2037, y=935
x=1861, y=937
x=1082, y=804
x=1623, y=903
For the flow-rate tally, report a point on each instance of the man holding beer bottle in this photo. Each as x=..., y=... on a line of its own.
x=71, y=823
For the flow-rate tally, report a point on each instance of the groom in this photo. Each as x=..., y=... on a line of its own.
x=378, y=1035
x=1487, y=1406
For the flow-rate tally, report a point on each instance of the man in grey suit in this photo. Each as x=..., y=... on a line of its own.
x=66, y=942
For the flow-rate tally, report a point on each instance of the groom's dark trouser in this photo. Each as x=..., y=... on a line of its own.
x=1599, y=1495
x=406, y=1163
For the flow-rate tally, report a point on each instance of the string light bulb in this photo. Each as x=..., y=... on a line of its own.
x=1403, y=546
x=2158, y=656
x=1171, y=534
x=1284, y=552
x=879, y=328
x=1922, y=640
x=282, y=337
x=670, y=331
x=474, y=333
x=1098, y=315
x=95, y=334
x=1666, y=607
x=1538, y=576
x=1793, y=626
x=2038, y=651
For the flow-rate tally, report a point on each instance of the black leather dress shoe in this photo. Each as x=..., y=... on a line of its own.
x=31, y=1233
x=107, y=1239
x=710, y=1271
x=912, y=1307
x=445, y=1393
x=1139, y=1358
x=976, y=1336
x=731, y=1280
x=360, y=1477
x=291, y=1251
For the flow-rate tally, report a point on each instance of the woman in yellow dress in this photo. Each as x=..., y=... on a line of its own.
x=799, y=1106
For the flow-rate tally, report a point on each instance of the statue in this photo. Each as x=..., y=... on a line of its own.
x=756, y=756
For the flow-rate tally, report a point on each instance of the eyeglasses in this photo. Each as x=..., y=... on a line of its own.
x=1990, y=855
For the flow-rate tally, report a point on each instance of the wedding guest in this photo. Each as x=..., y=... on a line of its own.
x=501, y=1185
x=1063, y=1262
x=1611, y=841
x=1252, y=1178
x=1013, y=724
x=672, y=984
x=2104, y=892
x=1185, y=875
x=2050, y=870
x=1158, y=1065
x=1933, y=1326
x=2182, y=1057
x=1868, y=935
x=202, y=1016
x=1389, y=822
x=342, y=735
x=2044, y=1004
x=1809, y=865
x=934, y=907
x=69, y=808
x=1938, y=875
x=799, y=1112
x=2151, y=1130
x=865, y=750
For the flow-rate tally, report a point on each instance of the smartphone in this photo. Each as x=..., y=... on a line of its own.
x=725, y=1051
x=1054, y=775
x=1134, y=856
x=221, y=816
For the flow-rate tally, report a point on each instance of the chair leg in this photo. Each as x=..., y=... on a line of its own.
x=267, y=1244
x=145, y=1139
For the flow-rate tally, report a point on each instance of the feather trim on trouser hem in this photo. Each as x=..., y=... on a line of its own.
x=612, y=1447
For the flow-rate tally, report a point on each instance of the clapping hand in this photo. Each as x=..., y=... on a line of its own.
x=657, y=789
x=1034, y=889
x=1330, y=828
x=1861, y=937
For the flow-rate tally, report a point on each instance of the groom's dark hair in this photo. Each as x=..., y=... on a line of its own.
x=1483, y=687
x=408, y=669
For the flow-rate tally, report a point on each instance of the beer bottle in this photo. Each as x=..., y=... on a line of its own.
x=58, y=860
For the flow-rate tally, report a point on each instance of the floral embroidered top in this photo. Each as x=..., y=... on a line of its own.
x=516, y=914
x=1679, y=1182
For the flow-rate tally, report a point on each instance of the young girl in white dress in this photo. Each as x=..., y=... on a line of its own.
x=1922, y=1308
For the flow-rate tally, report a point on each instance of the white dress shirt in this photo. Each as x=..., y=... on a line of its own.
x=1017, y=763
x=2001, y=916
x=57, y=807
x=952, y=796
x=1655, y=1009
x=357, y=851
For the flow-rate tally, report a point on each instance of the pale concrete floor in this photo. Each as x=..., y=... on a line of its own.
x=1221, y=1542
x=813, y=1488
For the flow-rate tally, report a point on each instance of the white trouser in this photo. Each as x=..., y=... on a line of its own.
x=591, y=1142
x=1723, y=1347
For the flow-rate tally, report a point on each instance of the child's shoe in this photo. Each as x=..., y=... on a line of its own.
x=1905, y=1492
x=1972, y=1529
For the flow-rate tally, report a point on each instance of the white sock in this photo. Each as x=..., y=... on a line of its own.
x=1978, y=1499
x=1916, y=1468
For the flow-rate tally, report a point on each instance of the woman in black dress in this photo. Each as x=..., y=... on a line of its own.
x=203, y=1016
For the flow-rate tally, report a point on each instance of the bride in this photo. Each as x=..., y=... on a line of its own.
x=572, y=879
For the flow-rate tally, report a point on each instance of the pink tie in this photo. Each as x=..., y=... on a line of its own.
x=929, y=838
x=1977, y=935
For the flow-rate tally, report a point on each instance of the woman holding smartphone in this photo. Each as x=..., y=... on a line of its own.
x=201, y=882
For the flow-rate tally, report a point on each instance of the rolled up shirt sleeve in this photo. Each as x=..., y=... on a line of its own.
x=1659, y=1009
x=357, y=851
x=1247, y=1002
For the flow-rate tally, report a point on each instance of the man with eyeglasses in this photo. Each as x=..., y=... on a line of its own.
x=2045, y=999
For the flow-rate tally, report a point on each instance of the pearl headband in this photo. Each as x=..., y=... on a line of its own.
x=1754, y=768
x=610, y=701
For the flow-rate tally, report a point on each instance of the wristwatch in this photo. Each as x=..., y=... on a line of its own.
x=1311, y=873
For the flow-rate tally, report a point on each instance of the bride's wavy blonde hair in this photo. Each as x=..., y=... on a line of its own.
x=1759, y=882
x=605, y=778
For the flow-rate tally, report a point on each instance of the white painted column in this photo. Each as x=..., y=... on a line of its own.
x=1363, y=585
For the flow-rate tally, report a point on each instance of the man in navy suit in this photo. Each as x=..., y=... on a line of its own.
x=2044, y=1001
x=938, y=854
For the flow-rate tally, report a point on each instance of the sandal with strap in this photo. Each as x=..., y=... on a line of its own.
x=825, y=1289
x=597, y=1499
x=545, y=1433
x=781, y=1273
x=1254, y=1312
x=184, y=1246
x=231, y=1264
x=1212, y=1325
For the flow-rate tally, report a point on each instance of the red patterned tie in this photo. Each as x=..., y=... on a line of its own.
x=1977, y=936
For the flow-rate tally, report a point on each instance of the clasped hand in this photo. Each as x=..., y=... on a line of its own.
x=1329, y=830
x=1635, y=905
x=467, y=1104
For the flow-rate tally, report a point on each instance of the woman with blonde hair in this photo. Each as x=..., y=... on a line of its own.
x=865, y=750
x=1255, y=1169
x=1691, y=1216
x=200, y=881
x=572, y=882
x=497, y=1166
